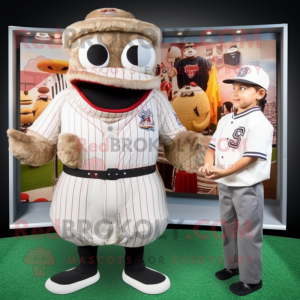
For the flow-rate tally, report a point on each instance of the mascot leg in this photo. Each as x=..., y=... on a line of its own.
x=141, y=277
x=75, y=279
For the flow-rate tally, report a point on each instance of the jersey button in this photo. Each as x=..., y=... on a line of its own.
x=222, y=156
x=110, y=128
x=231, y=122
x=111, y=136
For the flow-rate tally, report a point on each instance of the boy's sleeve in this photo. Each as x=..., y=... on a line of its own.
x=259, y=141
x=48, y=123
x=169, y=124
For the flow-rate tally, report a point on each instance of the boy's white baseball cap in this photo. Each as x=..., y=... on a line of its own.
x=251, y=75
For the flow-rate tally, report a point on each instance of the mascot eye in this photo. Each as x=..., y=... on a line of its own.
x=138, y=56
x=93, y=53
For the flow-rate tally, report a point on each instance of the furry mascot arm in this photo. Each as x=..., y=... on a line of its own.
x=44, y=138
x=35, y=150
x=187, y=151
x=31, y=147
x=69, y=150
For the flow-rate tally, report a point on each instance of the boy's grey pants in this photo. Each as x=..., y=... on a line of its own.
x=241, y=211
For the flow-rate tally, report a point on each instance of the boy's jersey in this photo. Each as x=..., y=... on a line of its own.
x=242, y=135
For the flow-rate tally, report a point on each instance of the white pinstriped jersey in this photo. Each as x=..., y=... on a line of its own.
x=129, y=212
x=240, y=135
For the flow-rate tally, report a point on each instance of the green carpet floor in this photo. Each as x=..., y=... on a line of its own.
x=188, y=260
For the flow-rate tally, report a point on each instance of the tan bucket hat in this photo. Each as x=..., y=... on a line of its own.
x=107, y=20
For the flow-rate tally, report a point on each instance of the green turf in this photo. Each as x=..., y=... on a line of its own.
x=177, y=253
x=36, y=178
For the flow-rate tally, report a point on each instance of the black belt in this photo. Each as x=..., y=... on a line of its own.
x=110, y=174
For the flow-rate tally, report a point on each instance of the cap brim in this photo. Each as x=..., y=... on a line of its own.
x=242, y=81
x=239, y=80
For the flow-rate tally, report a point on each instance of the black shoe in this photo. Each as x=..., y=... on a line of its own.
x=147, y=280
x=83, y=275
x=71, y=281
x=226, y=274
x=241, y=288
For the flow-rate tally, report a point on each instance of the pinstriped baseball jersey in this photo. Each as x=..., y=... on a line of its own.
x=129, y=212
x=247, y=134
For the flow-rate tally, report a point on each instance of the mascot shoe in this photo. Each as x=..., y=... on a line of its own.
x=147, y=280
x=62, y=284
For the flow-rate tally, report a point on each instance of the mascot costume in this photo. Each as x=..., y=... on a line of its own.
x=192, y=68
x=105, y=128
x=192, y=108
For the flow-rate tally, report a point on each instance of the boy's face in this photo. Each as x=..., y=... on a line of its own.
x=245, y=96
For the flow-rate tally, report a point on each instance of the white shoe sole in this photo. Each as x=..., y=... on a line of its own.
x=62, y=289
x=147, y=288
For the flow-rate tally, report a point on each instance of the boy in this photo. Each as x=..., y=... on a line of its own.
x=239, y=159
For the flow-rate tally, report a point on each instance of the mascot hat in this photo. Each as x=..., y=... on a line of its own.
x=109, y=20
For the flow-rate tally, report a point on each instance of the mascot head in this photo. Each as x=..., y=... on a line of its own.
x=189, y=50
x=112, y=48
x=192, y=107
x=174, y=54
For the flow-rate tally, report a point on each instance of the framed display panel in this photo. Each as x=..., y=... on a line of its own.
x=203, y=209
x=184, y=208
x=37, y=64
x=203, y=66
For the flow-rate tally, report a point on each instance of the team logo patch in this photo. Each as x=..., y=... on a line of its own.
x=191, y=70
x=146, y=122
x=176, y=117
x=109, y=12
x=243, y=72
x=237, y=137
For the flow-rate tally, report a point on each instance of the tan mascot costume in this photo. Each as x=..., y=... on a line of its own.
x=192, y=107
x=105, y=129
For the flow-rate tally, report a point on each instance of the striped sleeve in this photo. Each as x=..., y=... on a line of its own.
x=169, y=124
x=48, y=123
x=212, y=144
x=259, y=140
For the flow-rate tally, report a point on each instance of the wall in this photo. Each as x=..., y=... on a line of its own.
x=60, y=14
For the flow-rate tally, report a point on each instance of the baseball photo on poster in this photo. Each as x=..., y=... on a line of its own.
x=42, y=76
x=192, y=75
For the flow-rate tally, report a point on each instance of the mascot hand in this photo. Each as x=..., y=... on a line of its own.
x=198, y=151
x=31, y=148
x=187, y=151
x=69, y=150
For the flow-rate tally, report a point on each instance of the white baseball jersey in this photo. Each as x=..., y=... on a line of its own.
x=240, y=135
x=129, y=212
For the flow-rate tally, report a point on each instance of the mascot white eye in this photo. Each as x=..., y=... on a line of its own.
x=138, y=56
x=93, y=54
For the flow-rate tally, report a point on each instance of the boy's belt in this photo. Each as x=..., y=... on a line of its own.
x=110, y=174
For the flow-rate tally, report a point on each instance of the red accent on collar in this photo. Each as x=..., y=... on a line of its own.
x=122, y=110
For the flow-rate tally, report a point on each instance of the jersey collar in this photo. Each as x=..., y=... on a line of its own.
x=246, y=112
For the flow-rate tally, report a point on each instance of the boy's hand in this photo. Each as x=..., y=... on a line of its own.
x=216, y=174
x=208, y=169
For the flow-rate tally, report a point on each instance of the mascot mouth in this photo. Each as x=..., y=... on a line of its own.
x=109, y=98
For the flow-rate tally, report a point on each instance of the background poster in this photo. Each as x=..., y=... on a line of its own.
x=37, y=89
x=227, y=58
